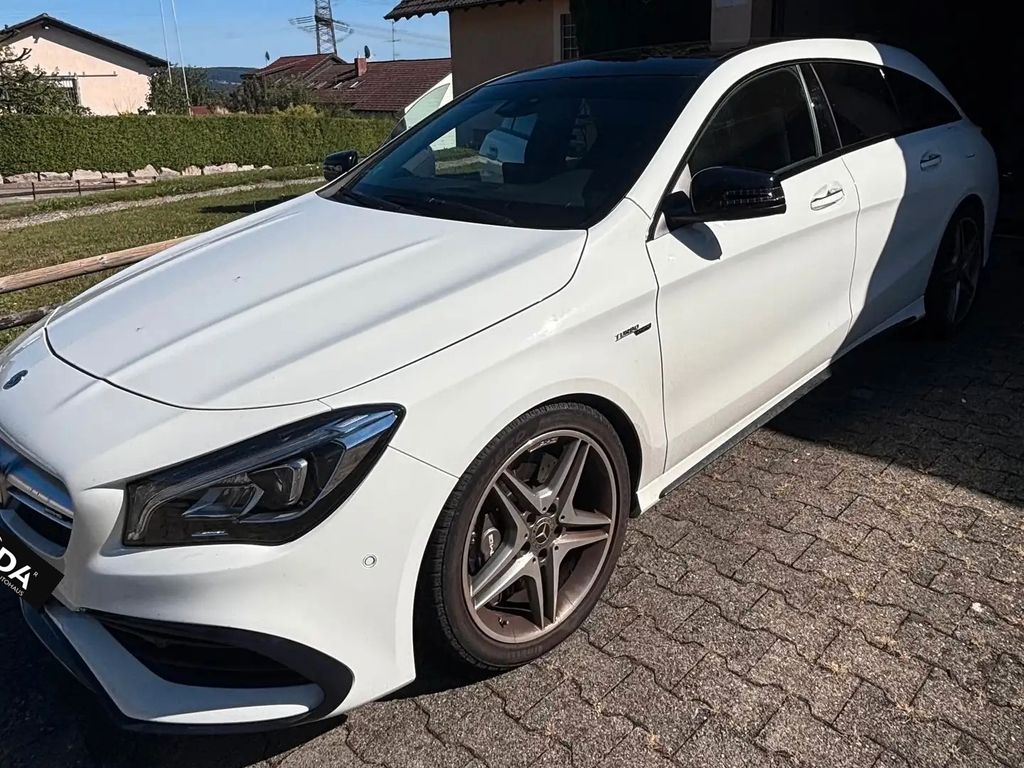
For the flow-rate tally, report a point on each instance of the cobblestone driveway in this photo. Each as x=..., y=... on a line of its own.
x=844, y=589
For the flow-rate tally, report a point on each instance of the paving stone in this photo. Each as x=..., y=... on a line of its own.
x=744, y=706
x=919, y=563
x=1006, y=599
x=824, y=690
x=606, y=622
x=447, y=710
x=668, y=719
x=837, y=534
x=662, y=529
x=1006, y=686
x=589, y=733
x=971, y=753
x=495, y=738
x=668, y=609
x=784, y=545
x=858, y=576
x=794, y=732
x=967, y=665
x=644, y=554
x=594, y=671
x=397, y=736
x=900, y=678
x=740, y=647
x=329, y=750
x=638, y=750
x=715, y=746
x=1001, y=729
x=731, y=596
x=669, y=657
x=726, y=556
x=521, y=688
x=890, y=760
x=919, y=740
x=941, y=610
x=799, y=587
x=810, y=633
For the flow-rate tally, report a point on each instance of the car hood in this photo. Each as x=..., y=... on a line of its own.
x=305, y=300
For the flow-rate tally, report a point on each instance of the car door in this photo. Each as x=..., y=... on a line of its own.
x=748, y=309
x=904, y=170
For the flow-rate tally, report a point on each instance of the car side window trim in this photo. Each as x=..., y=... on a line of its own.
x=805, y=165
x=792, y=170
x=889, y=135
x=814, y=118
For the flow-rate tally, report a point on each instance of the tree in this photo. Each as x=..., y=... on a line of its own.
x=25, y=91
x=259, y=95
x=167, y=94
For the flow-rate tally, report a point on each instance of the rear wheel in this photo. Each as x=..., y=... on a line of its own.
x=956, y=276
x=528, y=539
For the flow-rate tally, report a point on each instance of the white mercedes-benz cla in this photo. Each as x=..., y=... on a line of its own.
x=262, y=477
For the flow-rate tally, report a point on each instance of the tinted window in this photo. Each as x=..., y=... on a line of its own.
x=827, y=131
x=920, y=105
x=765, y=125
x=549, y=154
x=861, y=101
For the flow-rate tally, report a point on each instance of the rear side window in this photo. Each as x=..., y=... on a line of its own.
x=861, y=101
x=764, y=125
x=920, y=105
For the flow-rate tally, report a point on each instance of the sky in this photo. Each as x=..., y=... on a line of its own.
x=238, y=33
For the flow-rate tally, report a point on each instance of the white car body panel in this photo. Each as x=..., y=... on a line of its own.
x=747, y=308
x=367, y=292
x=318, y=305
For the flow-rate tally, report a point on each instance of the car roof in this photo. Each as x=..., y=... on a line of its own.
x=691, y=59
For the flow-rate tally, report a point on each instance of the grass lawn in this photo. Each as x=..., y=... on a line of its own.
x=56, y=242
x=176, y=186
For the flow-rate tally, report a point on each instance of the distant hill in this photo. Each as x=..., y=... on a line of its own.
x=226, y=78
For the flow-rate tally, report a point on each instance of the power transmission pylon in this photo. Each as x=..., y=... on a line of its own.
x=323, y=26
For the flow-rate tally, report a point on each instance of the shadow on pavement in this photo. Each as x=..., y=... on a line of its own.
x=949, y=409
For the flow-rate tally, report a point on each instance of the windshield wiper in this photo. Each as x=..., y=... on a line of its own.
x=369, y=201
x=480, y=215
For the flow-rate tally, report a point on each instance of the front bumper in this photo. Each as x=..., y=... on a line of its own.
x=341, y=597
x=161, y=706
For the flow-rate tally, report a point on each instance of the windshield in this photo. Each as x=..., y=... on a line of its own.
x=543, y=154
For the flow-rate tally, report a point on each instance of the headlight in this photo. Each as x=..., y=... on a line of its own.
x=267, y=490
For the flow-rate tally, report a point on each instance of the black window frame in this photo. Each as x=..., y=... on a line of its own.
x=794, y=70
x=862, y=143
x=823, y=157
x=793, y=170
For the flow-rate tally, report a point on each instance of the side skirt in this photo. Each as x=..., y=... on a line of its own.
x=744, y=433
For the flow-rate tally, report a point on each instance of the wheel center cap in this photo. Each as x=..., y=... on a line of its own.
x=543, y=531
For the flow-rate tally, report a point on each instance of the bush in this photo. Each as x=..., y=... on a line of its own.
x=65, y=143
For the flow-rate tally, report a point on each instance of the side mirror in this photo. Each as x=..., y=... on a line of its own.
x=340, y=162
x=724, y=193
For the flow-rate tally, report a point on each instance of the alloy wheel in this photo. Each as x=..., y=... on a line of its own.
x=539, y=536
x=962, y=272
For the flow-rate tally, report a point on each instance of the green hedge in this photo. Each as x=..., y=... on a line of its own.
x=43, y=143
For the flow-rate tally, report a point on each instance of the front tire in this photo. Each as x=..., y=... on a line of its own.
x=528, y=539
x=956, y=276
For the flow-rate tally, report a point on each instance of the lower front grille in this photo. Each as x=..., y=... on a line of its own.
x=35, y=496
x=178, y=657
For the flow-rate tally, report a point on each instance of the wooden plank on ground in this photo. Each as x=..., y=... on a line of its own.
x=58, y=272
